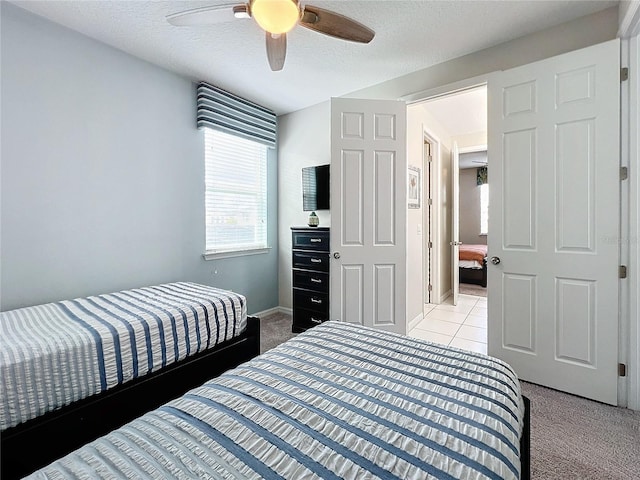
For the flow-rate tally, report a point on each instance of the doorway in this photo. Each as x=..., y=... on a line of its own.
x=429, y=149
x=458, y=118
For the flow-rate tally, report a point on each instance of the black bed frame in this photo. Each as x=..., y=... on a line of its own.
x=476, y=276
x=38, y=442
x=525, y=442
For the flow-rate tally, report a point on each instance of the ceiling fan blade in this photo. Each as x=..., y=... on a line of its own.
x=209, y=15
x=276, y=50
x=335, y=25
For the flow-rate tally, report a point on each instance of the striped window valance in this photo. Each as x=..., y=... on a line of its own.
x=231, y=114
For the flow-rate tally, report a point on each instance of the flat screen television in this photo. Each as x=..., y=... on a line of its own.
x=315, y=188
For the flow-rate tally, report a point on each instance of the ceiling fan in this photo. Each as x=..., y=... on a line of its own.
x=276, y=18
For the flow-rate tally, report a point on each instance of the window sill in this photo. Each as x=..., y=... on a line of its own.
x=234, y=253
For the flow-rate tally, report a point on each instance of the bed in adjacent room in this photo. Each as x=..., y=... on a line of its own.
x=472, y=262
x=73, y=370
x=337, y=401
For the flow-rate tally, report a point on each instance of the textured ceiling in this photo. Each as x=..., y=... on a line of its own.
x=410, y=35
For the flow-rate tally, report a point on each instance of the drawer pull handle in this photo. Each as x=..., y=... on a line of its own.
x=315, y=300
x=316, y=280
x=315, y=240
x=316, y=320
x=316, y=260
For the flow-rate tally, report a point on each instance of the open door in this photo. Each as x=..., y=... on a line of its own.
x=554, y=220
x=455, y=222
x=368, y=213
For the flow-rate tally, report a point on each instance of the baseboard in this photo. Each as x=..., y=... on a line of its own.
x=446, y=295
x=271, y=311
x=412, y=323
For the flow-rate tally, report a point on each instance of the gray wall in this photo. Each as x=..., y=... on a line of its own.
x=565, y=37
x=305, y=141
x=102, y=174
x=470, y=208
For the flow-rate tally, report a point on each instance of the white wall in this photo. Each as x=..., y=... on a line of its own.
x=305, y=140
x=419, y=121
x=416, y=229
x=102, y=184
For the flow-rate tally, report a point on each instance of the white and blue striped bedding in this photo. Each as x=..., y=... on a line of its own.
x=57, y=353
x=338, y=401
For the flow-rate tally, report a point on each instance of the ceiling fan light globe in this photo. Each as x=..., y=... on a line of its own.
x=275, y=16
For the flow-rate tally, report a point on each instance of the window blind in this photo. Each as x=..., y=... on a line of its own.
x=226, y=112
x=236, y=193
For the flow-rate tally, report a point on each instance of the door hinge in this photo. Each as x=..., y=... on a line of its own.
x=429, y=287
x=622, y=271
x=430, y=202
x=624, y=173
x=429, y=159
x=622, y=370
x=430, y=244
x=624, y=74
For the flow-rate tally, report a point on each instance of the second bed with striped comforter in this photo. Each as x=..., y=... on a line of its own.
x=338, y=401
x=57, y=353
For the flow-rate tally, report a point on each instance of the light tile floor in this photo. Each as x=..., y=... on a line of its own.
x=463, y=325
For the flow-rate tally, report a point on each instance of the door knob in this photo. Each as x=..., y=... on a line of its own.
x=455, y=243
x=336, y=255
x=495, y=260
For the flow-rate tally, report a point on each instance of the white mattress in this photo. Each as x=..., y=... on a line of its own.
x=338, y=401
x=58, y=353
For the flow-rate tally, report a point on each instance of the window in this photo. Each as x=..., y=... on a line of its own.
x=236, y=194
x=484, y=209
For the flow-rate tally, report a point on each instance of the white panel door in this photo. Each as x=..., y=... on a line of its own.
x=455, y=219
x=368, y=213
x=554, y=220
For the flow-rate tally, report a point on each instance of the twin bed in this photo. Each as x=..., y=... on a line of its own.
x=73, y=370
x=337, y=401
x=472, y=262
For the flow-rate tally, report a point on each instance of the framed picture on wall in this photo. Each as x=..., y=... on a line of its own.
x=413, y=187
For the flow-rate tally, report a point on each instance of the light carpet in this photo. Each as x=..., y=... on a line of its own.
x=275, y=329
x=571, y=438
x=576, y=438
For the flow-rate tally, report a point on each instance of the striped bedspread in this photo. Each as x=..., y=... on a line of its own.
x=57, y=353
x=338, y=401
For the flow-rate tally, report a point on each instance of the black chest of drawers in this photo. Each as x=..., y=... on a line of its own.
x=310, y=276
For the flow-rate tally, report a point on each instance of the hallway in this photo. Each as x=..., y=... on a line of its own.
x=462, y=326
